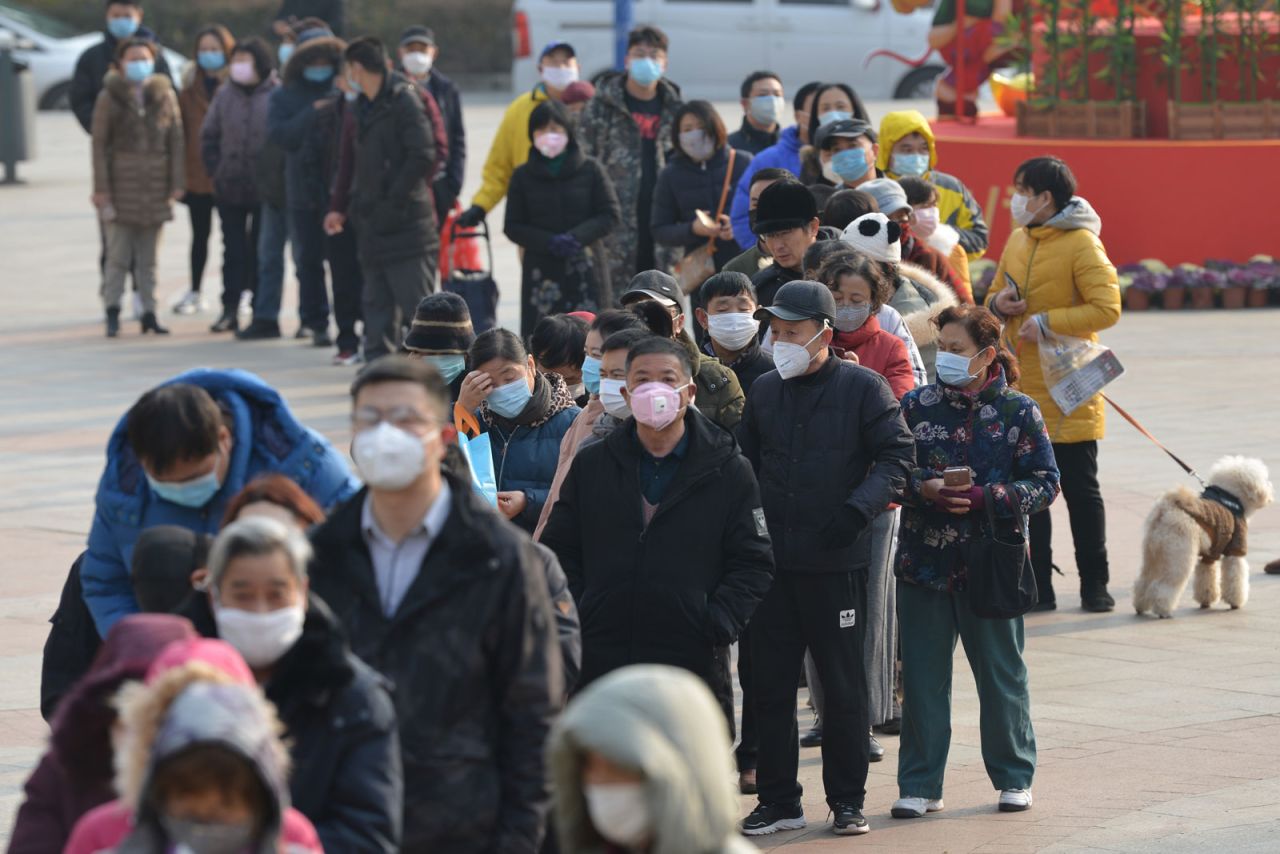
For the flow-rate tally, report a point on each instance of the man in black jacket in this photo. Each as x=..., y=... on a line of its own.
x=449, y=601
x=124, y=21
x=391, y=202
x=787, y=222
x=418, y=53
x=831, y=449
x=660, y=530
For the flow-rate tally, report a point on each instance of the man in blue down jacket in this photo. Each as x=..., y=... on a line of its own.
x=179, y=455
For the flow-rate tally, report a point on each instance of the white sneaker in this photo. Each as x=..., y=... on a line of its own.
x=1015, y=800
x=246, y=302
x=189, y=304
x=914, y=807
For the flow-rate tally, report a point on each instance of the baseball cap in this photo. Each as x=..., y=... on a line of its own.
x=418, y=35
x=801, y=300
x=653, y=284
x=848, y=128
x=557, y=46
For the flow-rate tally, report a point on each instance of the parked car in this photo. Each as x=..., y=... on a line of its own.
x=50, y=49
x=716, y=43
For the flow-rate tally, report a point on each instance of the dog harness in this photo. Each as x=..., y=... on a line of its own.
x=1221, y=515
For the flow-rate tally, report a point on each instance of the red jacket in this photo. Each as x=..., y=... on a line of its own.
x=880, y=351
x=104, y=828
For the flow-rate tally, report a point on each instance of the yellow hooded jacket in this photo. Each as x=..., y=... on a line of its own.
x=956, y=205
x=510, y=148
x=1062, y=271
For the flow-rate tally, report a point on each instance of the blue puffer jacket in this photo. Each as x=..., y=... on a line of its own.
x=999, y=433
x=784, y=154
x=266, y=439
x=525, y=456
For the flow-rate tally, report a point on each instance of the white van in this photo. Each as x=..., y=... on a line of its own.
x=717, y=43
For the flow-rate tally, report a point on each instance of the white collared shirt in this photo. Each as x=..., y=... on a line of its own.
x=396, y=565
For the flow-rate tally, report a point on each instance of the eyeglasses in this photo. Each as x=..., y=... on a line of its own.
x=401, y=417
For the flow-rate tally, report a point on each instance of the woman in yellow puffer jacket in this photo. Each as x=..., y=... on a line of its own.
x=1055, y=274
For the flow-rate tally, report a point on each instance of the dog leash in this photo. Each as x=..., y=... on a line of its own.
x=1144, y=431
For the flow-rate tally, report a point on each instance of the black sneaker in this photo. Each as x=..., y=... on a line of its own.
x=893, y=726
x=848, y=820
x=225, y=323
x=259, y=330
x=770, y=818
x=877, y=750
x=812, y=738
x=1094, y=597
x=320, y=338
x=1044, y=606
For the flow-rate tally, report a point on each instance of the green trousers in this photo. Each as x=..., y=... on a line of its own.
x=929, y=622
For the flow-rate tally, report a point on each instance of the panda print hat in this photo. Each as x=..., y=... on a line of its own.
x=875, y=236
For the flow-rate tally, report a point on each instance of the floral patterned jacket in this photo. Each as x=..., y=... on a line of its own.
x=1000, y=434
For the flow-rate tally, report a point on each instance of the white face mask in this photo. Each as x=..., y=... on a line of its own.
x=732, y=330
x=261, y=638
x=1018, y=207
x=829, y=172
x=611, y=398
x=417, y=63
x=388, y=457
x=620, y=813
x=792, y=360
x=559, y=78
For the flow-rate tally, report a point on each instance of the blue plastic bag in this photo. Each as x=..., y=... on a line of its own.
x=479, y=458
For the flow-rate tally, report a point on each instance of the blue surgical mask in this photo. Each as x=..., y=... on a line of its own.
x=767, y=109
x=591, y=374
x=318, y=73
x=211, y=60
x=122, y=27
x=138, y=70
x=910, y=165
x=355, y=86
x=194, y=493
x=645, y=71
x=450, y=367
x=284, y=52
x=833, y=116
x=953, y=369
x=510, y=400
x=350, y=97
x=850, y=164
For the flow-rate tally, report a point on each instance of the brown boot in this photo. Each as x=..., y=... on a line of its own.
x=1272, y=568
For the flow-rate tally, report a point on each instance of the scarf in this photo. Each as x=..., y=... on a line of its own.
x=550, y=397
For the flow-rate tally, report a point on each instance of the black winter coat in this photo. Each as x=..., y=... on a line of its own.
x=768, y=280
x=303, y=131
x=828, y=443
x=91, y=71
x=341, y=730
x=671, y=592
x=71, y=646
x=684, y=187
x=448, y=185
x=472, y=652
x=751, y=364
x=391, y=200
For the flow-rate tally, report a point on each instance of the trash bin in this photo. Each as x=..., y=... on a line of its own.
x=17, y=110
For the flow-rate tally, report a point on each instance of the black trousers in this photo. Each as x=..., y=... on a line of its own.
x=200, y=208
x=749, y=746
x=240, y=228
x=1078, y=464
x=348, y=286
x=826, y=614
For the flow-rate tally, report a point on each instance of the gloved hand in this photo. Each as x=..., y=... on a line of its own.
x=975, y=495
x=843, y=530
x=471, y=217
x=564, y=245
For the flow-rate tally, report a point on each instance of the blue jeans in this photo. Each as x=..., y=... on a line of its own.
x=306, y=228
x=273, y=233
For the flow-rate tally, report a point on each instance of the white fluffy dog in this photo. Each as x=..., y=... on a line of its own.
x=1187, y=533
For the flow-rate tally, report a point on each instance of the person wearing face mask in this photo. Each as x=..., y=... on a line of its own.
x=417, y=567
x=560, y=208
x=971, y=417
x=928, y=229
x=343, y=739
x=638, y=764
x=908, y=149
x=123, y=21
x=697, y=179
x=558, y=346
x=233, y=133
x=828, y=443
x=440, y=335
x=846, y=153
x=200, y=81
x=763, y=105
x=557, y=68
x=1054, y=275
x=833, y=102
x=689, y=552
x=179, y=455
x=626, y=127
x=138, y=172
x=732, y=330
x=526, y=414
x=891, y=200
x=418, y=55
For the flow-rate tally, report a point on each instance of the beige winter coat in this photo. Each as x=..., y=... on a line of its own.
x=138, y=149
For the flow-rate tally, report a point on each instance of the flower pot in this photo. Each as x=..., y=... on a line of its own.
x=1137, y=300
x=1224, y=120
x=1258, y=298
x=1088, y=120
x=1234, y=296
x=1202, y=298
x=1174, y=297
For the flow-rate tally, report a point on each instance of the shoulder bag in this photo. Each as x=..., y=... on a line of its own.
x=1002, y=584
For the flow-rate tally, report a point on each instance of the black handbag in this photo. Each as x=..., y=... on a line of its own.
x=1002, y=584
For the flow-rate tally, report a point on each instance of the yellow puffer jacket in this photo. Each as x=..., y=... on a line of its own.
x=1062, y=271
x=956, y=205
x=510, y=148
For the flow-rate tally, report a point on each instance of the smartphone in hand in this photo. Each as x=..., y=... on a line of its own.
x=957, y=477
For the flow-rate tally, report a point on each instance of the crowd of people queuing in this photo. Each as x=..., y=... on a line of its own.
x=532, y=651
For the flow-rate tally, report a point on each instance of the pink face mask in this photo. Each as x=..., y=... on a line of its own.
x=656, y=405
x=551, y=144
x=244, y=73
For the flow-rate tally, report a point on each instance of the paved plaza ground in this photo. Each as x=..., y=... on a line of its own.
x=1160, y=736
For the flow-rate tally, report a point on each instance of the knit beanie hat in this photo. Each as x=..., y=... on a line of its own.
x=888, y=193
x=441, y=326
x=578, y=92
x=785, y=205
x=875, y=236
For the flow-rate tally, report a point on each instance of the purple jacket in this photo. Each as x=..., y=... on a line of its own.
x=235, y=129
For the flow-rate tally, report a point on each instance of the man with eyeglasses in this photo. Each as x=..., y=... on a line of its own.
x=787, y=222
x=179, y=455
x=447, y=599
